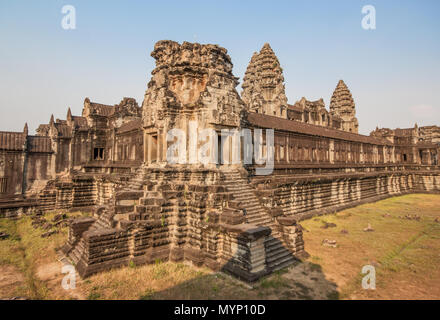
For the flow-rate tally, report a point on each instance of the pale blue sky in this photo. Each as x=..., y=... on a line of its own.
x=393, y=71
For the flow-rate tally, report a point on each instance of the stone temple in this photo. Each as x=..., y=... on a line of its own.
x=113, y=160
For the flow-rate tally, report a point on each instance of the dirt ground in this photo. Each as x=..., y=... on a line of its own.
x=10, y=279
x=402, y=244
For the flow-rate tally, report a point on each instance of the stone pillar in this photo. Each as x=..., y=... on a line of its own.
x=414, y=152
x=24, y=159
x=164, y=144
x=292, y=236
x=225, y=149
x=393, y=154
x=236, y=147
x=361, y=154
x=70, y=155
x=331, y=149
x=53, y=160
x=114, y=146
x=375, y=155
x=191, y=139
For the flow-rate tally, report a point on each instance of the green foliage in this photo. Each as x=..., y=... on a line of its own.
x=94, y=296
x=147, y=295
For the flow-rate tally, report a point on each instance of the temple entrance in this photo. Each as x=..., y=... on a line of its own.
x=3, y=185
x=98, y=154
x=224, y=149
x=153, y=148
x=220, y=149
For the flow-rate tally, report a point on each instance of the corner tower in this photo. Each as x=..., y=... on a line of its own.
x=342, y=104
x=263, y=84
x=191, y=84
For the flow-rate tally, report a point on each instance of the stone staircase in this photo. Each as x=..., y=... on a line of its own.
x=84, y=193
x=47, y=198
x=131, y=202
x=137, y=181
x=277, y=255
x=77, y=252
x=137, y=201
x=255, y=213
x=104, y=221
x=123, y=201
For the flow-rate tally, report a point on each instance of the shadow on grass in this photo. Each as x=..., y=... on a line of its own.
x=302, y=280
x=277, y=286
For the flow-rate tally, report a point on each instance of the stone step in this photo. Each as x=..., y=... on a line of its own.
x=281, y=264
x=277, y=251
x=245, y=197
x=258, y=222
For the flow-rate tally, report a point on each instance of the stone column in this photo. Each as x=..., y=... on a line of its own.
x=375, y=155
x=236, y=147
x=164, y=144
x=145, y=147
x=53, y=160
x=332, y=151
x=24, y=167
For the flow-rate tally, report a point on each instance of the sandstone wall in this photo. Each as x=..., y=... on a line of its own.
x=304, y=197
x=11, y=172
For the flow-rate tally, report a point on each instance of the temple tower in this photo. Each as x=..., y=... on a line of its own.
x=263, y=84
x=342, y=104
x=192, y=88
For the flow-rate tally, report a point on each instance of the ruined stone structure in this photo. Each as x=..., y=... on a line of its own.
x=152, y=199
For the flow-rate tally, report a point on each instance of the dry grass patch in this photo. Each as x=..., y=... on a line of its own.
x=400, y=249
x=30, y=255
x=162, y=280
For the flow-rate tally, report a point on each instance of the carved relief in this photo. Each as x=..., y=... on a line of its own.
x=191, y=73
x=188, y=87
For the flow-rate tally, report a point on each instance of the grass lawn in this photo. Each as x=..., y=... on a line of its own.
x=404, y=252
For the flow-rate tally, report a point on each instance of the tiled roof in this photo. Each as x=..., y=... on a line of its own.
x=102, y=109
x=131, y=125
x=13, y=141
x=63, y=129
x=80, y=122
x=266, y=121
